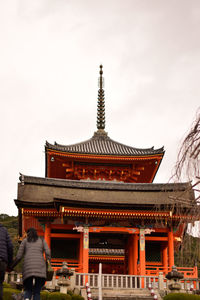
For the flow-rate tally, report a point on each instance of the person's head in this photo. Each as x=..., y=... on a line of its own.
x=32, y=235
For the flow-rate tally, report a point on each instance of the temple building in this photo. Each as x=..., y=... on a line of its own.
x=98, y=204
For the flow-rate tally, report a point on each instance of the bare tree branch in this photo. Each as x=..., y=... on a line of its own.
x=188, y=160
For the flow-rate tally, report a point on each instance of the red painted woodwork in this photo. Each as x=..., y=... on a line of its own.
x=47, y=234
x=170, y=248
x=87, y=262
x=135, y=253
x=140, y=169
x=165, y=257
x=107, y=267
x=130, y=255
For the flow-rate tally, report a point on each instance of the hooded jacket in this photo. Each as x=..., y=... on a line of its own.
x=6, y=246
x=34, y=263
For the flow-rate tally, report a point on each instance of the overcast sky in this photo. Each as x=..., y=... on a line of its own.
x=50, y=54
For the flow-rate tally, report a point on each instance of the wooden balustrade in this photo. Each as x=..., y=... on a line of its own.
x=57, y=263
x=152, y=270
x=116, y=281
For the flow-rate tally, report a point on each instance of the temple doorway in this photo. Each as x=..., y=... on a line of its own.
x=110, y=250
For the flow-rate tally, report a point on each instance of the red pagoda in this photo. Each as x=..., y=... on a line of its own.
x=97, y=204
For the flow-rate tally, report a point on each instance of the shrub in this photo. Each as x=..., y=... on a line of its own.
x=58, y=296
x=181, y=296
x=7, y=293
x=44, y=295
x=77, y=297
x=70, y=292
x=6, y=285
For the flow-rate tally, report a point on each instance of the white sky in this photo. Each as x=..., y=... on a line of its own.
x=50, y=53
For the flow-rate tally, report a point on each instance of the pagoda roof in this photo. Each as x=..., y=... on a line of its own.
x=50, y=192
x=104, y=185
x=102, y=144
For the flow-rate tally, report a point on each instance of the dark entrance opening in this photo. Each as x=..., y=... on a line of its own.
x=110, y=250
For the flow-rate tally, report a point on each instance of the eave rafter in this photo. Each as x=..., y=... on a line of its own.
x=106, y=214
x=94, y=157
x=116, y=214
x=106, y=258
x=40, y=212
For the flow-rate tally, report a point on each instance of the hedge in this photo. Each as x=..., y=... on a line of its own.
x=6, y=285
x=44, y=295
x=181, y=296
x=77, y=297
x=7, y=293
x=58, y=296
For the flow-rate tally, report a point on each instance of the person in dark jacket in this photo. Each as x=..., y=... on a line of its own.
x=6, y=255
x=34, y=266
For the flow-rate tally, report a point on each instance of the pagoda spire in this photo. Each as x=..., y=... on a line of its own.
x=101, y=104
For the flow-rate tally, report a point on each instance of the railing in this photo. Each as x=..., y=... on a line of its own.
x=115, y=281
x=57, y=263
x=152, y=270
x=188, y=272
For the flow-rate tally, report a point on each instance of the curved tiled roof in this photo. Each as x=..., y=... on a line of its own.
x=101, y=144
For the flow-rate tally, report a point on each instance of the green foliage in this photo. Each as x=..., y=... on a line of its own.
x=58, y=296
x=44, y=295
x=6, y=285
x=7, y=293
x=189, y=253
x=11, y=223
x=181, y=296
x=69, y=292
x=77, y=297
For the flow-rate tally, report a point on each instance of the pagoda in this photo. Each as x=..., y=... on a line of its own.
x=98, y=204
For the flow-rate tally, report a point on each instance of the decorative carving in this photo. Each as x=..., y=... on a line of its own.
x=96, y=172
x=148, y=230
x=78, y=228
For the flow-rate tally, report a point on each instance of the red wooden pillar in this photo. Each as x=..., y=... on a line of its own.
x=85, y=250
x=142, y=255
x=171, y=248
x=130, y=255
x=47, y=234
x=135, y=253
x=164, y=258
x=81, y=253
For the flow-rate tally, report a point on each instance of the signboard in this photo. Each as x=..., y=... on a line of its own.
x=85, y=237
x=142, y=239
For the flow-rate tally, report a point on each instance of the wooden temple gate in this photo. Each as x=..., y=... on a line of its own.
x=121, y=250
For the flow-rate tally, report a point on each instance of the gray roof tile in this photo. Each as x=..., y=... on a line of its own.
x=101, y=144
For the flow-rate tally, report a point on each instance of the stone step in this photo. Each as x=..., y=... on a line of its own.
x=123, y=294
